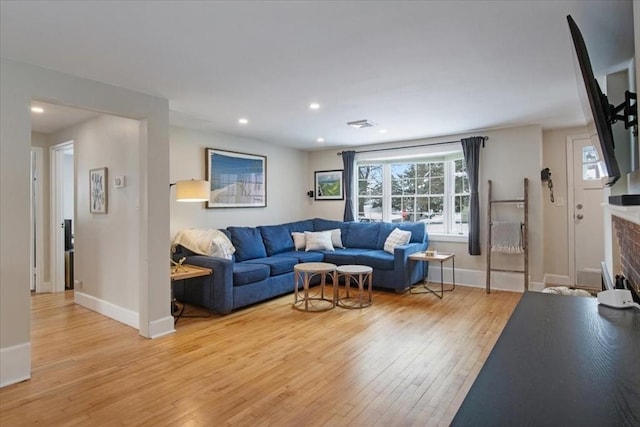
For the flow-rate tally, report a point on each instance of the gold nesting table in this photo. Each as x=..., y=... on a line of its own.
x=359, y=274
x=319, y=300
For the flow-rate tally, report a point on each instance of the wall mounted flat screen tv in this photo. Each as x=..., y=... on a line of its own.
x=595, y=106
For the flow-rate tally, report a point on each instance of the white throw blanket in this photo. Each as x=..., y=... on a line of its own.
x=205, y=242
x=506, y=237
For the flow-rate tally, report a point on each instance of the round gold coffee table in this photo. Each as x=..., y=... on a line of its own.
x=318, y=301
x=360, y=274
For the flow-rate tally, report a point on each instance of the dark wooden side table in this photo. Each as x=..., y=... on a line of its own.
x=184, y=272
x=560, y=361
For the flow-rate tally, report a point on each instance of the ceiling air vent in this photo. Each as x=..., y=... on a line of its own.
x=359, y=124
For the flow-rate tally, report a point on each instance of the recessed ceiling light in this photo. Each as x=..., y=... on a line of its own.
x=243, y=121
x=359, y=124
x=382, y=131
x=320, y=139
x=314, y=106
x=38, y=110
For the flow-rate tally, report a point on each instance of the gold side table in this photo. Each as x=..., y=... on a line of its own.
x=183, y=272
x=360, y=274
x=317, y=301
x=441, y=258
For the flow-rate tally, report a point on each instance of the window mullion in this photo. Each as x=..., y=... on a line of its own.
x=448, y=172
x=386, y=192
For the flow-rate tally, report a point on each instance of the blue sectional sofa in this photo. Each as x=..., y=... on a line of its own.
x=262, y=266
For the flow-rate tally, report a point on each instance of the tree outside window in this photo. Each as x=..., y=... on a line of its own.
x=433, y=191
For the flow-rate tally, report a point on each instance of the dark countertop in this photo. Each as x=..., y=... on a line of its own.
x=560, y=361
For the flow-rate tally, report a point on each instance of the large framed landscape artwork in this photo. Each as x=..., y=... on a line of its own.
x=237, y=180
x=329, y=185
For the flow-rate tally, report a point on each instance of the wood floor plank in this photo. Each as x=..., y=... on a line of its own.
x=406, y=360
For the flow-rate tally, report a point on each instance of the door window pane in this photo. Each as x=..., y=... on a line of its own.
x=591, y=168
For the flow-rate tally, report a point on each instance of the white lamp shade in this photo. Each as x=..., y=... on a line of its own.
x=193, y=190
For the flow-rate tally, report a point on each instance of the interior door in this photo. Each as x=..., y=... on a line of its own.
x=588, y=215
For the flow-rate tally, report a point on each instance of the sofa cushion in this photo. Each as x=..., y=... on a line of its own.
x=396, y=238
x=245, y=273
x=300, y=226
x=318, y=241
x=277, y=264
x=248, y=243
x=320, y=224
x=303, y=256
x=336, y=238
x=363, y=235
x=418, y=231
x=276, y=239
x=344, y=256
x=299, y=241
x=378, y=259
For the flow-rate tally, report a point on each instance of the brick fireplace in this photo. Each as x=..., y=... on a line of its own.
x=627, y=235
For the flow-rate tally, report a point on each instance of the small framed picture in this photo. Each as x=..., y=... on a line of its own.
x=329, y=185
x=98, y=191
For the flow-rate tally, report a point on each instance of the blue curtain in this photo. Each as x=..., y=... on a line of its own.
x=348, y=159
x=471, y=150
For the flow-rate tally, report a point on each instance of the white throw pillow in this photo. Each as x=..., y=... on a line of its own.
x=336, y=238
x=318, y=241
x=396, y=238
x=205, y=242
x=299, y=241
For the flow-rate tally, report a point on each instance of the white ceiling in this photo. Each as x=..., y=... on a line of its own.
x=417, y=69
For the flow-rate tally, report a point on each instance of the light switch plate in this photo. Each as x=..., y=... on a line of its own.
x=119, y=181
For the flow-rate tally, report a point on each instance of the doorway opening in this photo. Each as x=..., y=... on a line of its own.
x=62, y=216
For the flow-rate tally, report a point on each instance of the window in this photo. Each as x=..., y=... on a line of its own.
x=591, y=164
x=434, y=190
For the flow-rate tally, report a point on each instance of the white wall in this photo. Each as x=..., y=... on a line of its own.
x=19, y=85
x=103, y=242
x=318, y=161
x=509, y=156
x=287, y=172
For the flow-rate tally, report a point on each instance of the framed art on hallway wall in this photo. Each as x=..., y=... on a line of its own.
x=237, y=180
x=98, y=191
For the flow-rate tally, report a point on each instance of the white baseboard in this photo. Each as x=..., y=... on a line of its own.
x=15, y=364
x=500, y=281
x=115, y=312
x=161, y=327
x=45, y=288
x=157, y=328
x=556, y=280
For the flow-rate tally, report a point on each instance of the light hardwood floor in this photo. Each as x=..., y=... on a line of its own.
x=408, y=360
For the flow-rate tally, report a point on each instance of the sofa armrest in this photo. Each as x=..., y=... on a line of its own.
x=401, y=262
x=221, y=281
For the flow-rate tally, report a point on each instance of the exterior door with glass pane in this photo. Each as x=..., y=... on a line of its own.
x=588, y=215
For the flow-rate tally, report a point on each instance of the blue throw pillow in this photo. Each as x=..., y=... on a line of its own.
x=385, y=229
x=248, y=243
x=300, y=226
x=363, y=235
x=418, y=230
x=276, y=238
x=320, y=224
